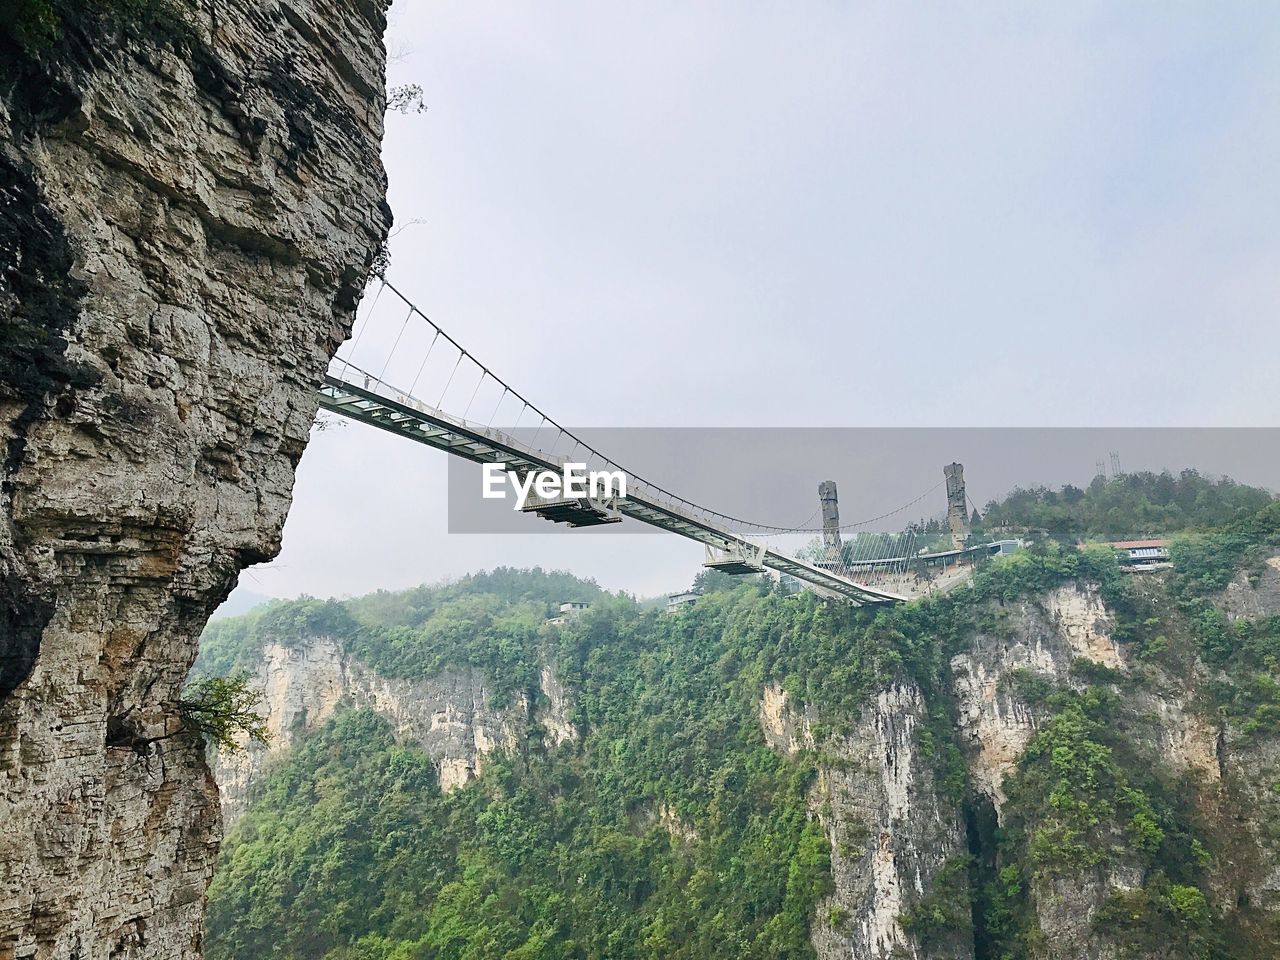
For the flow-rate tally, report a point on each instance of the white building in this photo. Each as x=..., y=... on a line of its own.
x=568, y=610
x=678, y=601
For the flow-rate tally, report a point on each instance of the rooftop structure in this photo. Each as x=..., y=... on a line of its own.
x=569, y=609
x=679, y=601
x=1146, y=554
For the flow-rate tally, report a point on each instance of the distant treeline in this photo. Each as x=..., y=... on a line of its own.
x=1131, y=505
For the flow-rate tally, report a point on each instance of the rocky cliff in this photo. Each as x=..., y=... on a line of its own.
x=1172, y=736
x=451, y=717
x=899, y=838
x=1042, y=636
x=891, y=828
x=895, y=834
x=191, y=207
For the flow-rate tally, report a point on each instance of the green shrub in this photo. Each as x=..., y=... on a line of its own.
x=223, y=708
x=1162, y=918
x=944, y=913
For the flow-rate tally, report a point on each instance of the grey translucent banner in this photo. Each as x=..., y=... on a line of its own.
x=886, y=477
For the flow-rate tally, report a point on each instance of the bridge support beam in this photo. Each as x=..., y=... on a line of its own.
x=736, y=559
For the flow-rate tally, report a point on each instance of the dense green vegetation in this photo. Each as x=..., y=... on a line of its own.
x=1246, y=650
x=553, y=853
x=1130, y=505
x=669, y=829
x=352, y=852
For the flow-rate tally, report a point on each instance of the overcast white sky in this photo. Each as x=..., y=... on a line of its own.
x=812, y=214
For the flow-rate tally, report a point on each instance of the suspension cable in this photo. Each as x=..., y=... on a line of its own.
x=761, y=528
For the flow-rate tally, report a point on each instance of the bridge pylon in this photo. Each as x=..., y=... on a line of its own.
x=830, y=504
x=957, y=504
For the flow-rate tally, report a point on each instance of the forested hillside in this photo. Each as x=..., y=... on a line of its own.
x=1142, y=504
x=674, y=823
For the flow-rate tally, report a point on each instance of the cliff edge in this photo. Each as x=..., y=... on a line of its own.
x=191, y=208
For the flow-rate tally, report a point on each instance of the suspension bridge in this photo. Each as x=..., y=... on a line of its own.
x=429, y=409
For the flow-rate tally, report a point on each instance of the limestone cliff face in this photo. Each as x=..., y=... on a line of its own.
x=1042, y=635
x=1254, y=596
x=189, y=215
x=891, y=830
x=1248, y=800
x=1227, y=771
x=451, y=717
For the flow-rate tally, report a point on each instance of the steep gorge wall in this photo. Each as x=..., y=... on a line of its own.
x=1040, y=636
x=891, y=828
x=1167, y=722
x=1043, y=636
x=451, y=717
x=189, y=216
x=894, y=831
x=890, y=791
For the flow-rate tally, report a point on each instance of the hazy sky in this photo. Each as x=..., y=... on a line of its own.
x=813, y=214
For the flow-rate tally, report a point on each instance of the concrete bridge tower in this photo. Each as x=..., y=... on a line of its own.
x=830, y=519
x=957, y=504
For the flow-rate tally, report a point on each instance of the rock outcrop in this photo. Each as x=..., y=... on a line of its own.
x=1227, y=772
x=1254, y=594
x=451, y=717
x=891, y=829
x=190, y=211
x=893, y=832
x=1041, y=636
x=895, y=837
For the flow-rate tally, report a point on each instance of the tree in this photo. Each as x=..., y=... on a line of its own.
x=223, y=707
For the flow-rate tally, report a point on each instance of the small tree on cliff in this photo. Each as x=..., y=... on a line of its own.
x=222, y=708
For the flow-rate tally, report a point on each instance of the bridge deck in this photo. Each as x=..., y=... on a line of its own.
x=378, y=405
